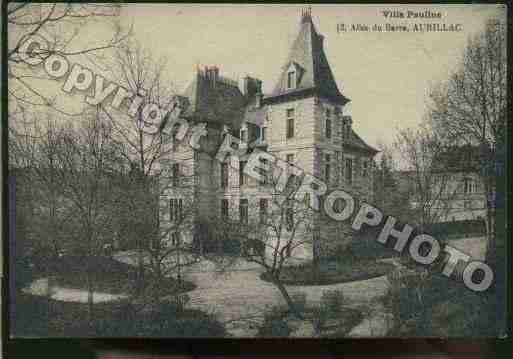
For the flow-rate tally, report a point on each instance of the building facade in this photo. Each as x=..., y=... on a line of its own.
x=456, y=187
x=301, y=122
x=465, y=198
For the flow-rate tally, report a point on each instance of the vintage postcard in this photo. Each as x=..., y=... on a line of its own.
x=224, y=170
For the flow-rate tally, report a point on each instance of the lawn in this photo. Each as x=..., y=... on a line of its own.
x=330, y=318
x=441, y=307
x=280, y=323
x=108, y=275
x=340, y=325
x=332, y=272
x=35, y=316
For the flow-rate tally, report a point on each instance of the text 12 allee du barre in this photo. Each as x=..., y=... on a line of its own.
x=388, y=27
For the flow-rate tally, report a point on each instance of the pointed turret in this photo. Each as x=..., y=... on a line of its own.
x=307, y=68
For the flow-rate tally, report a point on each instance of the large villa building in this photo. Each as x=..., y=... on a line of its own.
x=301, y=121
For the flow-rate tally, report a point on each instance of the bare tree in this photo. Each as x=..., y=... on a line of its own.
x=33, y=126
x=61, y=25
x=430, y=179
x=149, y=148
x=33, y=151
x=470, y=107
x=147, y=138
x=87, y=170
x=268, y=233
x=390, y=192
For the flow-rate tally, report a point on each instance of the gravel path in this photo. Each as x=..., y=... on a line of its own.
x=239, y=297
x=40, y=287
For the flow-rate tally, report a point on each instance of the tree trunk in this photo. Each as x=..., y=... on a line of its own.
x=140, y=263
x=90, y=302
x=49, y=313
x=141, y=231
x=287, y=297
x=316, y=254
x=178, y=264
x=89, y=279
x=491, y=246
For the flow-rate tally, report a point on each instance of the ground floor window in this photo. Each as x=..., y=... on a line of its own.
x=175, y=209
x=263, y=209
x=174, y=238
x=243, y=211
x=224, y=208
x=349, y=170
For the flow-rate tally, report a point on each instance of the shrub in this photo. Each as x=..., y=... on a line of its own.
x=196, y=324
x=319, y=315
x=181, y=301
x=121, y=319
x=404, y=299
x=299, y=300
x=165, y=320
x=457, y=229
x=275, y=324
x=331, y=272
x=369, y=248
x=30, y=315
x=436, y=306
x=333, y=301
x=330, y=307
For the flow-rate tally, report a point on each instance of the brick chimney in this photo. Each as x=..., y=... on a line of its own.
x=258, y=99
x=251, y=86
x=212, y=75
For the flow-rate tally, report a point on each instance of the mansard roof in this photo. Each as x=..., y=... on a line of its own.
x=307, y=53
x=356, y=141
x=214, y=99
x=254, y=114
x=458, y=158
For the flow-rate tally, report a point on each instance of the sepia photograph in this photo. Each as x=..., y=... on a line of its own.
x=255, y=170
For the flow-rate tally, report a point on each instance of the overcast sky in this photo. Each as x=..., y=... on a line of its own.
x=386, y=75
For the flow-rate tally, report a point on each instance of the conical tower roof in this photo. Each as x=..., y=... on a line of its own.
x=307, y=57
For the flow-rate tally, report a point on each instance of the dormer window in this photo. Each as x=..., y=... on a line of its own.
x=291, y=79
x=293, y=73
